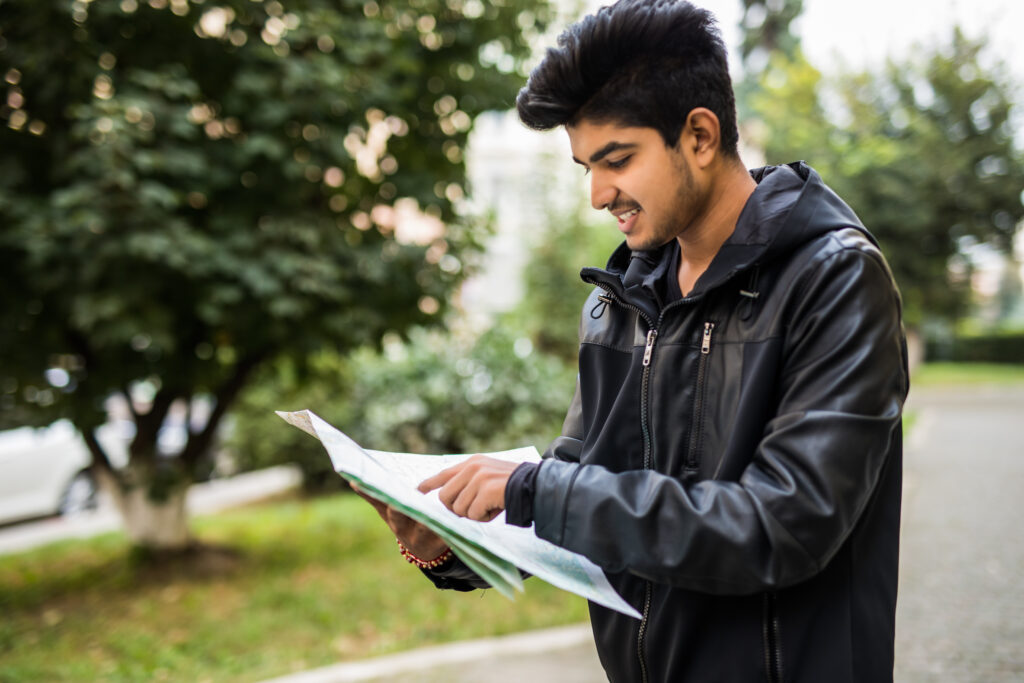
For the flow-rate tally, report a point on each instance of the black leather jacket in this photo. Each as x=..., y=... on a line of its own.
x=732, y=460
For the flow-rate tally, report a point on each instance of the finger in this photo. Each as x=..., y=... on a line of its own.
x=439, y=479
x=483, y=514
x=485, y=506
x=450, y=493
x=461, y=494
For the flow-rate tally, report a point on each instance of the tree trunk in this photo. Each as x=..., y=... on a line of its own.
x=157, y=525
x=915, y=349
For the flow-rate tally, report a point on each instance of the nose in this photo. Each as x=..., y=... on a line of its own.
x=602, y=192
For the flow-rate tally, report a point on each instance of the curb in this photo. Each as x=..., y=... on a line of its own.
x=532, y=642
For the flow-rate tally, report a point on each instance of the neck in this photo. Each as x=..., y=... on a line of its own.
x=726, y=198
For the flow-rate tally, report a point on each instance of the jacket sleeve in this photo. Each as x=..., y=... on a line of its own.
x=843, y=381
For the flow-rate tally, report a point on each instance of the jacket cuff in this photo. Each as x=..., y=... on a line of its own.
x=552, y=491
x=519, y=494
x=454, y=575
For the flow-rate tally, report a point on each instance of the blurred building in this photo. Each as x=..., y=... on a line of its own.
x=522, y=179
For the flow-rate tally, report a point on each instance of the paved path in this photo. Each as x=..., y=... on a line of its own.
x=961, y=605
x=563, y=655
x=960, y=614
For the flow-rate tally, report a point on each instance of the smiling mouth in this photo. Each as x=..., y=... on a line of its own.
x=627, y=219
x=623, y=217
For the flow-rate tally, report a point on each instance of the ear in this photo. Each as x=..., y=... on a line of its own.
x=702, y=136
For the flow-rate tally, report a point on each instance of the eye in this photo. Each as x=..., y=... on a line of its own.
x=619, y=163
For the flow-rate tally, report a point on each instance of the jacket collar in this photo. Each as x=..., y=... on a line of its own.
x=790, y=206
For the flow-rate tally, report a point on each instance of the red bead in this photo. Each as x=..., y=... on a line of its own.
x=425, y=564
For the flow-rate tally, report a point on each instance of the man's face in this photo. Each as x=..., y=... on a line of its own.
x=648, y=187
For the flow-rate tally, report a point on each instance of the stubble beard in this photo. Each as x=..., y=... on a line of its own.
x=683, y=211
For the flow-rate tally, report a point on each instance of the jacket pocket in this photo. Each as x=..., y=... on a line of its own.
x=697, y=423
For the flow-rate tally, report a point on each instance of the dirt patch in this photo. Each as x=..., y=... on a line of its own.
x=196, y=561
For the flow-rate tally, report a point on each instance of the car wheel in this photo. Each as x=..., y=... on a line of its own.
x=79, y=496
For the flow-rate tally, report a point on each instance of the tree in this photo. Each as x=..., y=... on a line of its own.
x=924, y=151
x=767, y=29
x=456, y=392
x=190, y=190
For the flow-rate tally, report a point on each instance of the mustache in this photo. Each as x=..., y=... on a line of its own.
x=621, y=205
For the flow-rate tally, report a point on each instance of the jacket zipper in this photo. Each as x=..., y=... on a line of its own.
x=772, y=645
x=697, y=423
x=642, y=631
x=652, y=337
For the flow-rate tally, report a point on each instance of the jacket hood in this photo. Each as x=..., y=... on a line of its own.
x=790, y=207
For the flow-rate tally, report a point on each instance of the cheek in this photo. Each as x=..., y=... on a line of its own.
x=659, y=186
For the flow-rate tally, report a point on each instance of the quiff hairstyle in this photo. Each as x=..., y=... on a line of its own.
x=644, y=63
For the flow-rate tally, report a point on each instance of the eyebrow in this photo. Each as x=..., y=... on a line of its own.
x=612, y=146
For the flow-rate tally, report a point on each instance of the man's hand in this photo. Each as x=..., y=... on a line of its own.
x=474, y=488
x=417, y=539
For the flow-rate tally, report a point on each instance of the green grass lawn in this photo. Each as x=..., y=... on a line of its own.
x=312, y=583
x=966, y=374
x=946, y=376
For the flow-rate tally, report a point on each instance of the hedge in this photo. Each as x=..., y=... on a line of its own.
x=997, y=347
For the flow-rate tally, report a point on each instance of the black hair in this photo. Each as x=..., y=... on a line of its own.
x=645, y=63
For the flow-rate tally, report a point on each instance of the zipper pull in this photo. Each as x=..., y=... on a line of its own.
x=651, y=336
x=705, y=344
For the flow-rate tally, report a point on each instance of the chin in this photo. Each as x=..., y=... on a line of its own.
x=638, y=243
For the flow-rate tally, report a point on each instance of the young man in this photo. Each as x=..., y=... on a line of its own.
x=732, y=456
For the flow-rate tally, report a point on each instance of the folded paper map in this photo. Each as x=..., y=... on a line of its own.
x=494, y=550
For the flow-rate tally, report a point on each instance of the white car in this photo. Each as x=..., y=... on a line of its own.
x=43, y=471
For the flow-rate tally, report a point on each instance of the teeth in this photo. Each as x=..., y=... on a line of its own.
x=629, y=214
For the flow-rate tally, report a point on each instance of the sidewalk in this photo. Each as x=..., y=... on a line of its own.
x=960, y=611
x=557, y=655
x=205, y=498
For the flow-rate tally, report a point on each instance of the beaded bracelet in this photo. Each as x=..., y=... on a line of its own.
x=425, y=564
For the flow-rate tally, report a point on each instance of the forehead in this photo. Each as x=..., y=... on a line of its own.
x=587, y=138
